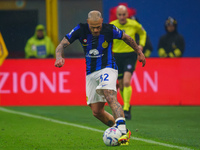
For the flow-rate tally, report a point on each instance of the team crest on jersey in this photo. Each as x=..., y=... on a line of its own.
x=105, y=44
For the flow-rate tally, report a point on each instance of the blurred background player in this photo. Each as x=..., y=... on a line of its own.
x=125, y=56
x=96, y=39
x=148, y=48
x=113, y=12
x=172, y=43
x=39, y=45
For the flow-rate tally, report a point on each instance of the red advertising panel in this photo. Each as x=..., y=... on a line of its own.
x=167, y=82
x=39, y=82
x=36, y=82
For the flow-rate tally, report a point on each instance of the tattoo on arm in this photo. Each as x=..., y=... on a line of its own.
x=60, y=48
x=128, y=40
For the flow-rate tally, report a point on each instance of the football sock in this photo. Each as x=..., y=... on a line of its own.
x=127, y=97
x=115, y=125
x=121, y=125
x=121, y=93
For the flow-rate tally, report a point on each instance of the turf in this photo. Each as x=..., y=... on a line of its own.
x=179, y=126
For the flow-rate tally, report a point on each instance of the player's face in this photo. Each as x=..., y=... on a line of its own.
x=122, y=15
x=95, y=26
x=170, y=28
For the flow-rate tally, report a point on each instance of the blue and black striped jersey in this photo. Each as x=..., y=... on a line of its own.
x=97, y=49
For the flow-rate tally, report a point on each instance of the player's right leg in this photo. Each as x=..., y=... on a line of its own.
x=127, y=92
x=96, y=102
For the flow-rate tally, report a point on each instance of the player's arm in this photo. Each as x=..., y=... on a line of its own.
x=60, y=51
x=128, y=40
x=67, y=40
x=143, y=35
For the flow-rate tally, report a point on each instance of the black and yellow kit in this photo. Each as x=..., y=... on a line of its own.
x=128, y=59
x=171, y=44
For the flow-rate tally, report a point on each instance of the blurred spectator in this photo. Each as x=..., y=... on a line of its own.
x=148, y=48
x=39, y=45
x=172, y=43
x=125, y=56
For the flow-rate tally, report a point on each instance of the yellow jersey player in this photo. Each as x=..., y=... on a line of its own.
x=125, y=56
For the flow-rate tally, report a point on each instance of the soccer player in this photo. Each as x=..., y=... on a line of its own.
x=96, y=39
x=125, y=56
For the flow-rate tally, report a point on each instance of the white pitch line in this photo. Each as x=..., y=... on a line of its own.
x=88, y=128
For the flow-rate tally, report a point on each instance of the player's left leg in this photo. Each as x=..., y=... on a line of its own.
x=118, y=113
x=107, y=89
x=127, y=92
x=99, y=112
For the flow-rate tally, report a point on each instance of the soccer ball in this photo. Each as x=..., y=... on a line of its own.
x=111, y=136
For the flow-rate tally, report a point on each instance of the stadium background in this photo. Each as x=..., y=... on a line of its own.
x=161, y=82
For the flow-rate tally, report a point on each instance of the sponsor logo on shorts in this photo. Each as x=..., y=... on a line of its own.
x=104, y=85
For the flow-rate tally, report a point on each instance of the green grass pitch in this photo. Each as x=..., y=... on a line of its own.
x=74, y=127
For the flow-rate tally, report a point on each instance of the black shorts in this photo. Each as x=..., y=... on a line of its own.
x=125, y=62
